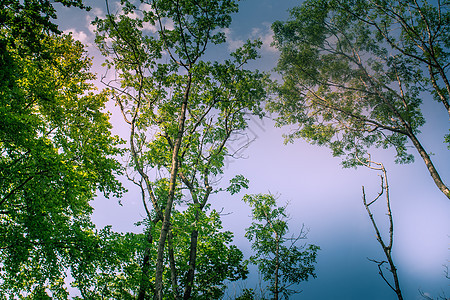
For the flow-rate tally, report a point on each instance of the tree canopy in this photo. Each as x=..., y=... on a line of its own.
x=56, y=151
x=356, y=74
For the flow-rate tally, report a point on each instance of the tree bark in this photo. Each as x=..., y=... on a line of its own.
x=277, y=266
x=194, y=235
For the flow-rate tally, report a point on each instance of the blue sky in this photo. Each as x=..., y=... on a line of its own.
x=321, y=195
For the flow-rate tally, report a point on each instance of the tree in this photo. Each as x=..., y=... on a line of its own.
x=56, y=150
x=110, y=269
x=387, y=247
x=356, y=74
x=182, y=111
x=277, y=256
x=56, y=153
x=216, y=260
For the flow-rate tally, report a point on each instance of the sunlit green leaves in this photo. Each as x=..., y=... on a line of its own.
x=57, y=152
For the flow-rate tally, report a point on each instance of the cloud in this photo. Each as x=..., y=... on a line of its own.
x=78, y=35
x=96, y=12
x=232, y=43
x=265, y=34
x=147, y=25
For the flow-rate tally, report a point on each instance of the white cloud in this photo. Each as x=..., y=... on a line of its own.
x=78, y=35
x=91, y=26
x=149, y=27
x=168, y=24
x=265, y=34
x=98, y=12
x=232, y=43
x=146, y=7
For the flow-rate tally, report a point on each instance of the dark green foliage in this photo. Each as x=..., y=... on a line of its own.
x=111, y=269
x=25, y=23
x=218, y=262
x=247, y=294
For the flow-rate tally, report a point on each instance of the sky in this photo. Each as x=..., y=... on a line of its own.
x=322, y=195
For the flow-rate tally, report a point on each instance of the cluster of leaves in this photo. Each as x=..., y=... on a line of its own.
x=25, y=23
x=217, y=260
x=111, y=268
x=332, y=55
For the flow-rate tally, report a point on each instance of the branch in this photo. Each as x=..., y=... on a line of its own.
x=386, y=249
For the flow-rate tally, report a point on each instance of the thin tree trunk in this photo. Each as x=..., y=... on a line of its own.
x=194, y=238
x=168, y=210
x=144, y=284
x=192, y=260
x=387, y=249
x=277, y=267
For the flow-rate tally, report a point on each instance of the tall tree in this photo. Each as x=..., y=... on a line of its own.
x=56, y=153
x=356, y=74
x=182, y=110
x=277, y=256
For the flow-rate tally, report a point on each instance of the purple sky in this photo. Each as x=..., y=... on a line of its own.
x=321, y=195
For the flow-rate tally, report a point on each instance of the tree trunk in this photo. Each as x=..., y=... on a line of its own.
x=192, y=260
x=194, y=239
x=144, y=284
x=397, y=289
x=277, y=266
x=173, y=270
x=173, y=178
x=433, y=172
